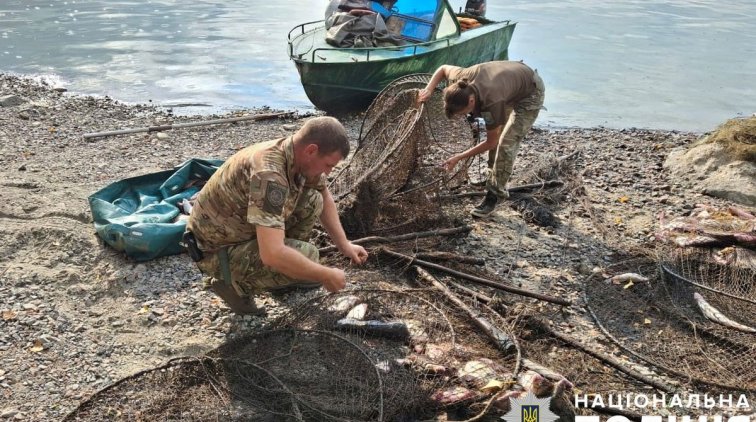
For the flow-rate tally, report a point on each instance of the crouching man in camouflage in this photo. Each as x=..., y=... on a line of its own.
x=250, y=225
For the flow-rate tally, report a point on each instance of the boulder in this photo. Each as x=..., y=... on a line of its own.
x=11, y=100
x=722, y=164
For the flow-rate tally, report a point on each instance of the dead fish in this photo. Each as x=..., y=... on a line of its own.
x=392, y=329
x=344, y=303
x=185, y=206
x=358, y=312
x=479, y=372
x=695, y=240
x=715, y=315
x=739, y=212
x=621, y=278
x=418, y=334
x=547, y=373
x=454, y=395
x=436, y=369
x=504, y=402
x=435, y=352
x=534, y=382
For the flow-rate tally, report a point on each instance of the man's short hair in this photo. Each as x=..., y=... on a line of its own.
x=327, y=133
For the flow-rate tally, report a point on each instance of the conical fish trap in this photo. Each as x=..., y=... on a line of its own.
x=185, y=390
x=429, y=355
x=321, y=375
x=712, y=287
x=279, y=375
x=658, y=321
x=396, y=169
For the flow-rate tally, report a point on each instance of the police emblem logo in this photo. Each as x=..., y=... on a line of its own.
x=275, y=196
x=530, y=409
x=529, y=413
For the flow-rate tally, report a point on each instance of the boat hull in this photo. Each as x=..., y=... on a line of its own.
x=343, y=86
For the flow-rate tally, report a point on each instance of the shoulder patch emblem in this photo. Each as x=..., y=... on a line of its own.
x=275, y=196
x=488, y=117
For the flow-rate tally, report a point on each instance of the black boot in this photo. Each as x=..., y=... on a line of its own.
x=487, y=206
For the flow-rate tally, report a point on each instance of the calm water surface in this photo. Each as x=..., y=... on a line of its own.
x=686, y=65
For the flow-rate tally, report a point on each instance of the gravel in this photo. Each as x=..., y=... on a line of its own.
x=77, y=315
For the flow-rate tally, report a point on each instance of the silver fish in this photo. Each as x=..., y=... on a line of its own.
x=715, y=315
x=621, y=278
x=185, y=206
x=344, y=303
x=358, y=312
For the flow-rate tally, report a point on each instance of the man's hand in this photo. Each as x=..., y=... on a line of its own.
x=423, y=95
x=356, y=253
x=335, y=281
x=449, y=164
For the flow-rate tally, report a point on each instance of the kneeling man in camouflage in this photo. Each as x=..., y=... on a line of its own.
x=251, y=223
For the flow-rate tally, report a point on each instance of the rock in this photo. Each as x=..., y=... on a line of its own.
x=289, y=127
x=162, y=135
x=8, y=413
x=720, y=164
x=11, y=100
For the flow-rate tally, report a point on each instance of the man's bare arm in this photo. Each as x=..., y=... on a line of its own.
x=329, y=218
x=275, y=254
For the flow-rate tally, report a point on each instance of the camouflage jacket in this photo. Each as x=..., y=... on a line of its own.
x=256, y=186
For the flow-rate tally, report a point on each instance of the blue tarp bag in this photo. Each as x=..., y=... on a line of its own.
x=139, y=215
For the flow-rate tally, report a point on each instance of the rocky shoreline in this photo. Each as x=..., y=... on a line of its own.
x=77, y=316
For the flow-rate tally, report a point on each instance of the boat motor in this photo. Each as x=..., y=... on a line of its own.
x=476, y=7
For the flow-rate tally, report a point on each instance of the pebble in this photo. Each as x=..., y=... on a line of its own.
x=98, y=334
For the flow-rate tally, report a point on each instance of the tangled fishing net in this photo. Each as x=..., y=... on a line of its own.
x=660, y=317
x=394, y=174
x=361, y=355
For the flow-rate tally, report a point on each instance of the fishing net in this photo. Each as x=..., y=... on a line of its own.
x=657, y=319
x=394, y=175
x=409, y=355
x=430, y=356
x=539, y=204
x=588, y=374
x=278, y=375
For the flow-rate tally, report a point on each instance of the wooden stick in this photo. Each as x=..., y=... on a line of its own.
x=499, y=337
x=477, y=295
x=185, y=125
x=513, y=189
x=545, y=372
x=448, y=256
x=479, y=280
x=609, y=360
x=408, y=236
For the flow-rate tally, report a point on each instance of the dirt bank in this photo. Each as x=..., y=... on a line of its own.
x=77, y=316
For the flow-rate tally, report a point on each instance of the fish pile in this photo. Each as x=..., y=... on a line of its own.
x=709, y=226
x=462, y=381
x=698, y=250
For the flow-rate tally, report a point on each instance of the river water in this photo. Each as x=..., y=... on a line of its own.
x=663, y=64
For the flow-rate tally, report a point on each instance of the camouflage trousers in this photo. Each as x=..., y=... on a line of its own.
x=521, y=119
x=249, y=275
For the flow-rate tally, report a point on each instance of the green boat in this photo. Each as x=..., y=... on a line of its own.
x=339, y=80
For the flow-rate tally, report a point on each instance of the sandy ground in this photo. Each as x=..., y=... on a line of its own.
x=77, y=315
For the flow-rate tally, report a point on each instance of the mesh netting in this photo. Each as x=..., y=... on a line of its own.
x=658, y=319
x=395, y=172
x=429, y=354
x=273, y=375
x=587, y=373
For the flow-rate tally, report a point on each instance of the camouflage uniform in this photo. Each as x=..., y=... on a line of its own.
x=256, y=186
x=509, y=94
